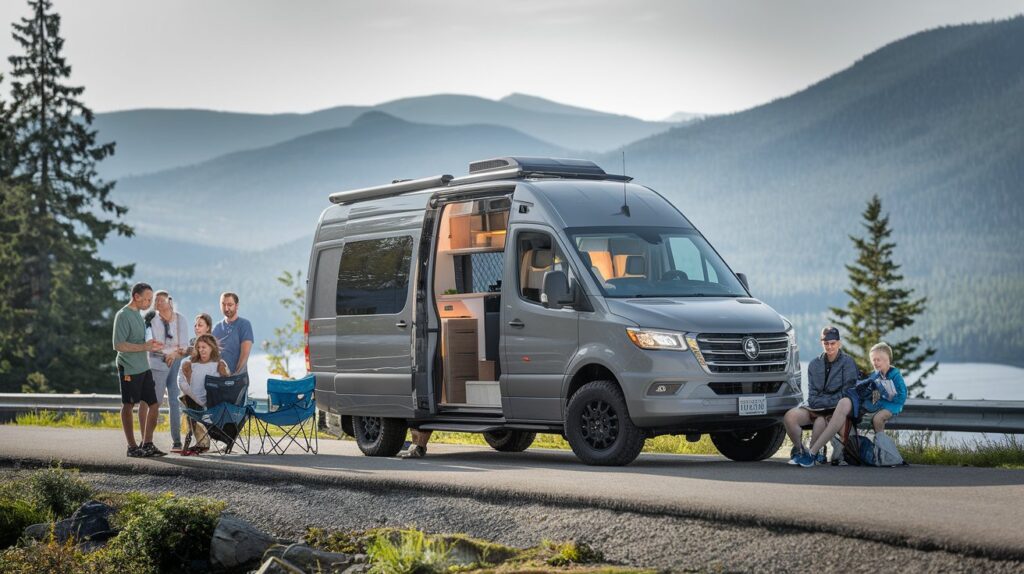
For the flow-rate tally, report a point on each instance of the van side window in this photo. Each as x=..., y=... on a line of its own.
x=537, y=254
x=373, y=278
x=324, y=287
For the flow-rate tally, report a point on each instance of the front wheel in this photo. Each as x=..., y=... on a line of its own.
x=598, y=427
x=378, y=436
x=746, y=446
x=510, y=440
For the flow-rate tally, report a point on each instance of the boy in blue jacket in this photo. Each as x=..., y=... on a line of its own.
x=888, y=390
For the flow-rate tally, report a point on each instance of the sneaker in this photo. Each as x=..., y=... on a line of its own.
x=176, y=447
x=805, y=459
x=149, y=449
x=794, y=455
x=414, y=451
x=820, y=459
x=135, y=452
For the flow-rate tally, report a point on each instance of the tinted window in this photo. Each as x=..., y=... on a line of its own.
x=324, y=284
x=373, y=278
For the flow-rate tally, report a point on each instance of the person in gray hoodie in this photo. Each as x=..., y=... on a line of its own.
x=829, y=375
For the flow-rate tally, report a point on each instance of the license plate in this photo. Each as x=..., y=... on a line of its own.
x=753, y=406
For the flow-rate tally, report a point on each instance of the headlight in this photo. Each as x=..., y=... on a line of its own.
x=664, y=340
x=791, y=333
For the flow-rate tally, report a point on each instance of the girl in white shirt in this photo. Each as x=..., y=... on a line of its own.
x=204, y=360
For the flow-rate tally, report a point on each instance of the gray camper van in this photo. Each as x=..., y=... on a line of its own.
x=539, y=295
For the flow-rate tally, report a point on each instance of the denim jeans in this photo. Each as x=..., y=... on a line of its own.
x=168, y=379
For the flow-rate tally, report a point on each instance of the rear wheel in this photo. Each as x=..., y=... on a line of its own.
x=598, y=427
x=748, y=446
x=510, y=440
x=378, y=436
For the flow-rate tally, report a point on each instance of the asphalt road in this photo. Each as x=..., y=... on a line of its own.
x=963, y=510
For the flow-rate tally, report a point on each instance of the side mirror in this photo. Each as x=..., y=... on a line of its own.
x=556, y=293
x=743, y=279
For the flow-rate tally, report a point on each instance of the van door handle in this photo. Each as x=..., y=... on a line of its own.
x=516, y=323
x=401, y=325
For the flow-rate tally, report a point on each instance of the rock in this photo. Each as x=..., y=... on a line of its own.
x=360, y=558
x=238, y=545
x=90, y=523
x=275, y=565
x=311, y=559
x=357, y=569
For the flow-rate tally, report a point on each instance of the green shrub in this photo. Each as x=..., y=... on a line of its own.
x=15, y=515
x=51, y=557
x=568, y=553
x=413, y=553
x=55, y=493
x=163, y=533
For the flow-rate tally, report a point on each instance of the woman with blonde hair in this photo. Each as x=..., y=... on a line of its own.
x=204, y=360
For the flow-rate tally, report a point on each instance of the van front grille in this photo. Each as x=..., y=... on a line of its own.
x=723, y=352
x=754, y=388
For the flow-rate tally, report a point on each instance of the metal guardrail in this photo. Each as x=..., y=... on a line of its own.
x=918, y=414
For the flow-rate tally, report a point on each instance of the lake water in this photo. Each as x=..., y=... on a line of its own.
x=967, y=381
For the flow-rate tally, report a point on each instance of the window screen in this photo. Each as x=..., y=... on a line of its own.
x=373, y=278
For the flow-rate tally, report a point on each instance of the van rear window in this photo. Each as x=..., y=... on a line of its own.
x=373, y=278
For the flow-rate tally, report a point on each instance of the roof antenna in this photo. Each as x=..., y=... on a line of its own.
x=625, y=203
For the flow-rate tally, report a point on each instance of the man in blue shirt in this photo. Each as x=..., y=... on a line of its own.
x=234, y=335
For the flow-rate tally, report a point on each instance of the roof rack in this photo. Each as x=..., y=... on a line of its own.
x=486, y=170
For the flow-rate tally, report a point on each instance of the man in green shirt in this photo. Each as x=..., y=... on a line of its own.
x=137, y=385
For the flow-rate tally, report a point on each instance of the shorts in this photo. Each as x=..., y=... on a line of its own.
x=138, y=388
x=825, y=413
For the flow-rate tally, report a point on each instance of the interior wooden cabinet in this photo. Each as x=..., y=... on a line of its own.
x=470, y=232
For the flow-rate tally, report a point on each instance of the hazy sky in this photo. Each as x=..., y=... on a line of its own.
x=645, y=58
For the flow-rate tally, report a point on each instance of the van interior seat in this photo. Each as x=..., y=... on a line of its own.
x=536, y=262
x=602, y=261
x=633, y=266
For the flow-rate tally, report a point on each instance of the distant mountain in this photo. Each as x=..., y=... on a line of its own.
x=683, y=117
x=933, y=123
x=259, y=198
x=528, y=102
x=151, y=140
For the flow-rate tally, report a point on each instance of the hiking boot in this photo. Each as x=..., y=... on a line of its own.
x=135, y=452
x=149, y=450
x=414, y=451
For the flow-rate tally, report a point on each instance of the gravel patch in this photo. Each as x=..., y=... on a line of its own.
x=677, y=544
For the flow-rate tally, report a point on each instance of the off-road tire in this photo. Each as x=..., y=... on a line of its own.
x=510, y=440
x=378, y=436
x=748, y=446
x=598, y=427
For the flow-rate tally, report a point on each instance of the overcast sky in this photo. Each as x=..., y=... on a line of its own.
x=640, y=57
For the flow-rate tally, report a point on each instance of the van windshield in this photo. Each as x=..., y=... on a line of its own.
x=654, y=262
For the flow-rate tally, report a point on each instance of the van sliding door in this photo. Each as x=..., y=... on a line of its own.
x=374, y=321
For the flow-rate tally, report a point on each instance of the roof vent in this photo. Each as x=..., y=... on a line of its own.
x=488, y=164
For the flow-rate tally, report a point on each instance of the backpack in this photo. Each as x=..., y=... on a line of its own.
x=861, y=451
x=886, y=453
x=858, y=450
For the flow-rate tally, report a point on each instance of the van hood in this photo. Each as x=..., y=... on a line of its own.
x=698, y=315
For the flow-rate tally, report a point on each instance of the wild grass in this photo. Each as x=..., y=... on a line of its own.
x=927, y=447
x=667, y=444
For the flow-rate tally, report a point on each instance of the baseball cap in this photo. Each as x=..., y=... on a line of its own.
x=830, y=333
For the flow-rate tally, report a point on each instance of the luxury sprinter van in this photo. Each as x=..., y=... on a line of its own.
x=539, y=295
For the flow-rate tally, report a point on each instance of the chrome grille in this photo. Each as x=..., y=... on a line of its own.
x=723, y=352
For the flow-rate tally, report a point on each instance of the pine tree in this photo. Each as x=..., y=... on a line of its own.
x=66, y=294
x=879, y=308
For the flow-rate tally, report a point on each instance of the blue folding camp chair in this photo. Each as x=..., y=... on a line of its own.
x=227, y=410
x=292, y=409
